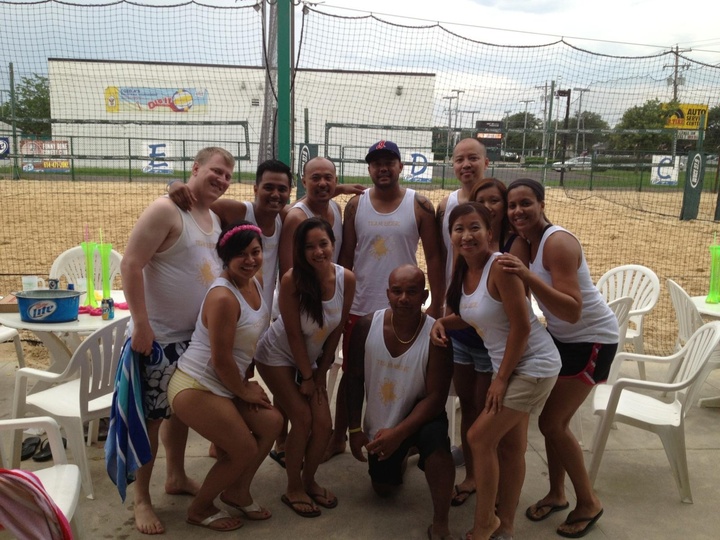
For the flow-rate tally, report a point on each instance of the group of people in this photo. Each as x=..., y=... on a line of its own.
x=200, y=273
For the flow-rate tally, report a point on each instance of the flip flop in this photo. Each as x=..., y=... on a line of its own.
x=29, y=447
x=320, y=497
x=278, y=457
x=45, y=453
x=460, y=496
x=553, y=508
x=293, y=505
x=207, y=523
x=582, y=532
x=252, y=512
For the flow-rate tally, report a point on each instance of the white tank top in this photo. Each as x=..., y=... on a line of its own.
x=252, y=323
x=274, y=347
x=393, y=385
x=270, y=254
x=177, y=279
x=336, y=224
x=384, y=242
x=597, y=323
x=452, y=202
x=487, y=315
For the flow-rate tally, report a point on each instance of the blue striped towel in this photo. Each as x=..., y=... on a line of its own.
x=127, y=447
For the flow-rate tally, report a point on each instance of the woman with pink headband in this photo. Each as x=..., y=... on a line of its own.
x=210, y=390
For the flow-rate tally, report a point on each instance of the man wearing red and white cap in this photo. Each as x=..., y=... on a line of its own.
x=381, y=231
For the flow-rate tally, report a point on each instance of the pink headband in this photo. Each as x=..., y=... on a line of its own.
x=238, y=229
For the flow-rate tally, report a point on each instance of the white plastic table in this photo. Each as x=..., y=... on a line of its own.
x=61, y=339
x=712, y=311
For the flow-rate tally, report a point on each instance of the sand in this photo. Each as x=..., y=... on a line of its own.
x=43, y=218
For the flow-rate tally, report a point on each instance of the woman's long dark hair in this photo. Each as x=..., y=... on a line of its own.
x=485, y=183
x=454, y=292
x=307, y=282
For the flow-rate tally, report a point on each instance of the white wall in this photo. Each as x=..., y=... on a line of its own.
x=78, y=91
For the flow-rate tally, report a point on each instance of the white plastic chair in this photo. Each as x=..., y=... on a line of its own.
x=621, y=309
x=81, y=393
x=640, y=283
x=10, y=334
x=71, y=265
x=61, y=480
x=615, y=402
x=687, y=314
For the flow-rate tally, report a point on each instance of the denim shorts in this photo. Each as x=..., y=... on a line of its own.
x=472, y=356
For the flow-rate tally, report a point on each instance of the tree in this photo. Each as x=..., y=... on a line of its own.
x=651, y=115
x=588, y=120
x=32, y=101
x=514, y=140
x=712, y=133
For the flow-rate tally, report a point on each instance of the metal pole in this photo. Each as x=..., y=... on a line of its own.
x=579, y=115
x=13, y=121
x=457, y=108
x=447, y=144
x=525, y=101
x=284, y=98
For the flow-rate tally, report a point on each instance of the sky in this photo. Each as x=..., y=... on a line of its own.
x=631, y=23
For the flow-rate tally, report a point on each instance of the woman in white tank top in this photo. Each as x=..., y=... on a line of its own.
x=525, y=362
x=585, y=331
x=210, y=391
x=294, y=355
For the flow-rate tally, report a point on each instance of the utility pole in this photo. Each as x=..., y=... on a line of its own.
x=447, y=144
x=545, y=115
x=472, y=118
x=579, y=115
x=457, y=109
x=676, y=79
x=525, y=101
x=504, y=139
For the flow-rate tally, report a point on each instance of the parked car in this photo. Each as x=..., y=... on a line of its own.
x=573, y=163
x=711, y=160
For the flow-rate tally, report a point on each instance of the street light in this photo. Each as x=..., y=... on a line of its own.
x=504, y=139
x=579, y=114
x=566, y=94
x=457, y=105
x=525, y=101
x=472, y=117
x=447, y=144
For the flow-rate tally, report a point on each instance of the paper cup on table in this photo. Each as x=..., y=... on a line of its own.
x=81, y=285
x=31, y=283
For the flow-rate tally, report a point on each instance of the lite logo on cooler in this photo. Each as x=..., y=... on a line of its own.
x=42, y=309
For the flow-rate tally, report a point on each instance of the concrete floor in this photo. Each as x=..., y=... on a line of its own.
x=634, y=483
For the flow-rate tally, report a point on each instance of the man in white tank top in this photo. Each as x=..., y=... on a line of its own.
x=273, y=182
x=169, y=263
x=320, y=181
x=405, y=380
x=381, y=230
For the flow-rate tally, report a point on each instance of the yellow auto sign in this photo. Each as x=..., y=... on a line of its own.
x=685, y=115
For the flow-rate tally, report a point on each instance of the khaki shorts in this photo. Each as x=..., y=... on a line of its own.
x=182, y=381
x=528, y=394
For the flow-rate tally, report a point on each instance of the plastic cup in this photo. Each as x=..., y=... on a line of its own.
x=81, y=285
x=31, y=283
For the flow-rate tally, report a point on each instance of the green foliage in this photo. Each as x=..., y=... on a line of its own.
x=32, y=101
x=588, y=120
x=651, y=115
x=514, y=140
x=712, y=133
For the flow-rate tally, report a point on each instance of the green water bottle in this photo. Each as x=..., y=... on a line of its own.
x=713, y=296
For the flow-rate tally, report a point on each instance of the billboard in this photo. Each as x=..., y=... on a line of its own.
x=53, y=163
x=685, y=115
x=144, y=99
